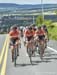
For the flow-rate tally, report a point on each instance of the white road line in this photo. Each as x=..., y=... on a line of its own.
x=26, y=54
x=52, y=49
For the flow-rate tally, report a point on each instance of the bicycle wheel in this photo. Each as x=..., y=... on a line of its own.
x=30, y=54
x=15, y=56
x=42, y=48
x=18, y=50
x=19, y=45
x=37, y=49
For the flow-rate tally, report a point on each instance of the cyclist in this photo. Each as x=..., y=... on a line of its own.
x=33, y=28
x=14, y=39
x=46, y=35
x=21, y=32
x=46, y=31
x=24, y=33
x=29, y=35
x=40, y=33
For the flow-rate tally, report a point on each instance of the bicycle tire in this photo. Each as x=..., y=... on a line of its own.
x=18, y=50
x=30, y=54
x=15, y=57
x=41, y=51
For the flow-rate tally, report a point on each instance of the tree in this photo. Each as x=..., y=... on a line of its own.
x=48, y=23
x=39, y=20
x=55, y=12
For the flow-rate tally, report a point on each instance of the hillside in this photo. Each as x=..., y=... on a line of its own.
x=26, y=6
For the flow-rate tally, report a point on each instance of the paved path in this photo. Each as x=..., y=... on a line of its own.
x=24, y=67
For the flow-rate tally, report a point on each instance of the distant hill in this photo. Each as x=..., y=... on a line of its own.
x=7, y=5
x=26, y=6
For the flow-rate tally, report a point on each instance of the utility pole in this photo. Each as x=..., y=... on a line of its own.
x=42, y=9
x=33, y=20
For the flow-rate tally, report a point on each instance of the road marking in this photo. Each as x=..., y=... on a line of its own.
x=2, y=53
x=3, y=69
x=27, y=54
x=52, y=49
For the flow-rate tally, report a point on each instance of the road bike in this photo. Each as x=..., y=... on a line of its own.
x=30, y=50
x=15, y=52
x=41, y=48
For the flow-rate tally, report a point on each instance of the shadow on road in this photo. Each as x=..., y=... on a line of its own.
x=51, y=58
x=48, y=55
x=42, y=61
x=24, y=65
x=34, y=63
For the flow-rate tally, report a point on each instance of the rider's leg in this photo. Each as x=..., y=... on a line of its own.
x=17, y=45
x=19, y=42
x=24, y=40
x=46, y=39
x=27, y=45
x=12, y=52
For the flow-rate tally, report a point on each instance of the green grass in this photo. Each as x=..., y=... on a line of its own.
x=55, y=23
x=53, y=32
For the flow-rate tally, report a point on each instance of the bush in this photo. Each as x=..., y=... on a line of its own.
x=39, y=20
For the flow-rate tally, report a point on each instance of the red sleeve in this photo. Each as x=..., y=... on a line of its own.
x=36, y=32
x=18, y=32
x=26, y=33
x=10, y=33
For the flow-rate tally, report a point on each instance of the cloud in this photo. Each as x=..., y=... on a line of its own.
x=28, y=1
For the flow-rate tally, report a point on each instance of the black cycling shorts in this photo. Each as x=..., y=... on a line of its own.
x=41, y=37
x=13, y=41
x=29, y=38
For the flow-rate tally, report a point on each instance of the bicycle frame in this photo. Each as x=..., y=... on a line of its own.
x=41, y=48
x=30, y=49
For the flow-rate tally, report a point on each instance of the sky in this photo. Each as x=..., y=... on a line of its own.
x=28, y=1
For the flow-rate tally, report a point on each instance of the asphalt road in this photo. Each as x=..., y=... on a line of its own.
x=2, y=39
x=46, y=67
